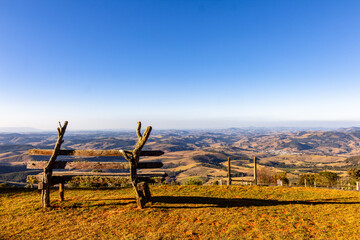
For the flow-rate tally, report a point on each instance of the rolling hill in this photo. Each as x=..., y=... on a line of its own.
x=190, y=153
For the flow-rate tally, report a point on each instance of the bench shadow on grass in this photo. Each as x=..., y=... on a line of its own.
x=189, y=201
x=210, y=202
x=173, y=202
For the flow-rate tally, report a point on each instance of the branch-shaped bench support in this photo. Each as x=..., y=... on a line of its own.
x=46, y=183
x=142, y=191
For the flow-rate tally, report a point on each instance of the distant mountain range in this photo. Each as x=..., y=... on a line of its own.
x=19, y=130
x=201, y=153
x=236, y=130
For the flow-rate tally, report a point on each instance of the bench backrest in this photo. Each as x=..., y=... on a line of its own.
x=47, y=179
x=86, y=165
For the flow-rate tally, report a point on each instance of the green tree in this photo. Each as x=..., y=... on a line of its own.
x=193, y=181
x=326, y=178
x=354, y=174
x=309, y=177
x=281, y=176
x=265, y=176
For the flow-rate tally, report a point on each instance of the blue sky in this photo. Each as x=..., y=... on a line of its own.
x=178, y=64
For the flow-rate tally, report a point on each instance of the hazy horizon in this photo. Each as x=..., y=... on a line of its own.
x=317, y=125
x=179, y=64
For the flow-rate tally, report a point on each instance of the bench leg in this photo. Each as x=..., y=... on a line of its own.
x=139, y=194
x=61, y=191
x=143, y=191
x=147, y=192
x=45, y=192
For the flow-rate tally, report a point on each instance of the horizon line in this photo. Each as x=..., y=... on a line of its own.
x=269, y=125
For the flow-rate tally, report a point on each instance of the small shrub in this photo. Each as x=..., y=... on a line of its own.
x=265, y=176
x=4, y=185
x=281, y=176
x=73, y=184
x=354, y=174
x=30, y=185
x=193, y=181
x=99, y=181
x=174, y=183
x=31, y=179
x=309, y=177
x=326, y=178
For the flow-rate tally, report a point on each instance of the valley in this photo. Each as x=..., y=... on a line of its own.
x=202, y=153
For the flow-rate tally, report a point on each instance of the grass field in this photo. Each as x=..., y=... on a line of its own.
x=183, y=212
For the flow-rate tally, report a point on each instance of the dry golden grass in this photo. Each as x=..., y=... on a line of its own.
x=184, y=212
x=184, y=167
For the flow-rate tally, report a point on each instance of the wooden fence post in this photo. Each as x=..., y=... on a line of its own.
x=61, y=191
x=255, y=171
x=229, y=172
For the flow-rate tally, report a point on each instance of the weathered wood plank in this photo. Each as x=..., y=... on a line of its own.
x=91, y=165
x=65, y=178
x=105, y=174
x=91, y=153
x=240, y=180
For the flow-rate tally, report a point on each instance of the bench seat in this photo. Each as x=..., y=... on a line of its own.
x=63, y=177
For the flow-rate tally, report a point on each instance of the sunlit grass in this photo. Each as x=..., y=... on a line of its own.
x=186, y=212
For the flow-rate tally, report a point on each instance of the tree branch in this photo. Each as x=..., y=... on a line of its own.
x=61, y=132
x=125, y=155
x=141, y=142
x=138, y=130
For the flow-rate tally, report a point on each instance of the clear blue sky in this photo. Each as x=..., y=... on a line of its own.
x=178, y=64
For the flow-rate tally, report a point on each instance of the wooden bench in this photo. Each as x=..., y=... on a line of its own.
x=140, y=182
